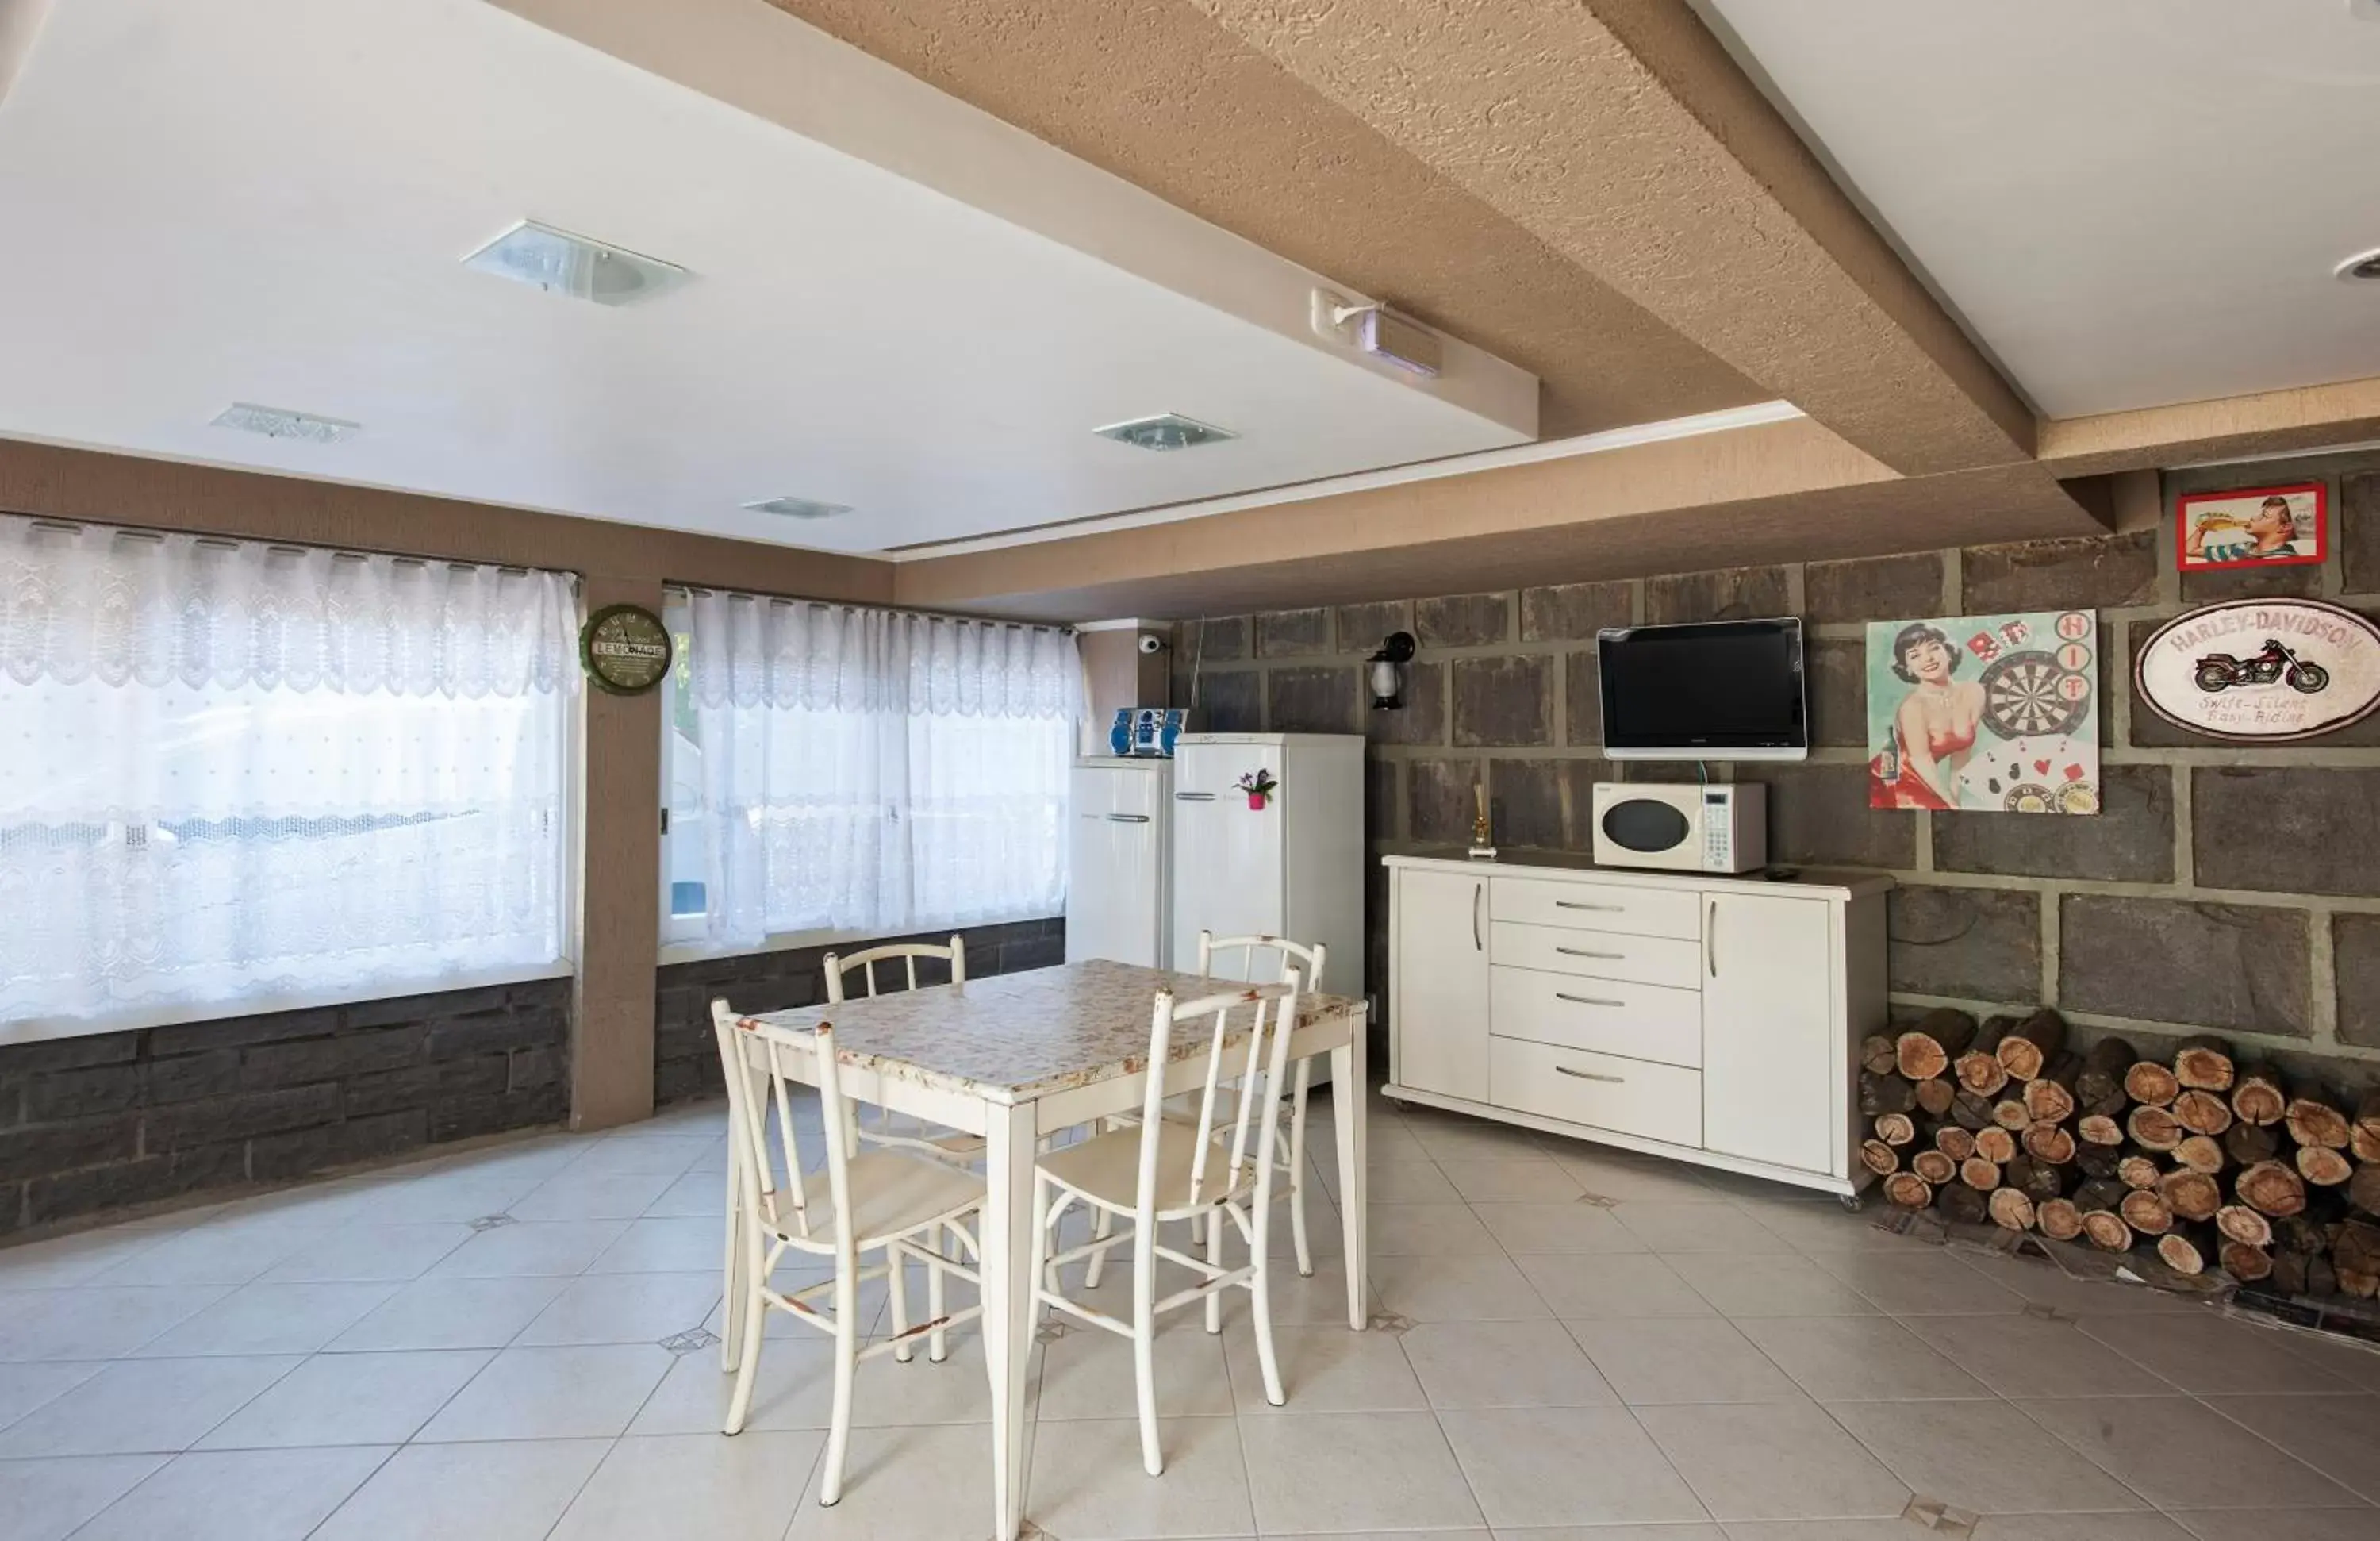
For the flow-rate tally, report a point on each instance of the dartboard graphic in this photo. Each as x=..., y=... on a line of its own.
x=2026, y=696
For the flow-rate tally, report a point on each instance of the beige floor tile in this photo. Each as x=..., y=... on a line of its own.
x=1325, y=1369
x=1090, y=1485
x=454, y=1197
x=2024, y=1356
x=544, y=1247
x=957, y=1390
x=1481, y=1287
x=694, y=1484
x=1564, y=1466
x=553, y=1393
x=369, y=1253
x=794, y=1389
x=572, y=1195
x=1704, y=1531
x=2181, y=1454
x=1511, y=1180
x=2339, y=1436
x=136, y=1407
x=206, y=1256
x=508, y=1491
x=1981, y=1456
x=2043, y=1283
x=78, y=1259
x=1894, y=1529
x=1625, y=1178
x=1858, y=1359
x=238, y=1494
x=623, y=1308
x=452, y=1313
x=1428, y=1231
x=88, y=1321
x=25, y=1386
x=697, y=1194
x=2139, y=1525
x=1333, y=1472
x=1921, y=1281
x=350, y=1399
x=271, y=1318
x=2344, y=1358
x=1567, y=1226
x=1616, y=1285
x=1087, y=1373
x=931, y=1481
x=46, y=1500
x=2207, y=1354
x=1774, y=1462
x=1418, y=1181
x=688, y=1244
x=1768, y=1284
x=1671, y=1228
x=1467, y=1364
x=1821, y=1225
x=648, y=1156
x=1650, y=1361
x=1453, y=1138
x=2261, y=1524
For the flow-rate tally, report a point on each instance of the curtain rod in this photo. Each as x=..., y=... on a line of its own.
x=693, y=589
x=285, y=548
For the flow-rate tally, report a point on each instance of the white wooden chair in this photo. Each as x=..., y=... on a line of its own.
x=888, y=1202
x=1162, y=1171
x=889, y=1129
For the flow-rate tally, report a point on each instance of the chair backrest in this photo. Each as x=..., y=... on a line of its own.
x=1237, y=958
x=909, y=953
x=1264, y=1058
x=756, y=1058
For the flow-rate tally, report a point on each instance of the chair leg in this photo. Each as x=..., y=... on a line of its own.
x=938, y=1342
x=1102, y=1227
x=743, y=1316
x=897, y=1263
x=1042, y=1283
x=1214, y=1260
x=731, y=1318
x=846, y=1365
x=1297, y=1171
x=1144, y=1341
x=1260, y=1307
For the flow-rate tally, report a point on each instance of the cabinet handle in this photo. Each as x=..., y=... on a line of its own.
x=1127, y=819
x=1582, y=904
x=1478, y=891
x=1589, y=1000
x=1710, y=941
x=1193, y=796
x=1590, y=1075
x=1583, y=952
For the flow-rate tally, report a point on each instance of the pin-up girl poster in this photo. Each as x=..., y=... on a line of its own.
x=1984, y=713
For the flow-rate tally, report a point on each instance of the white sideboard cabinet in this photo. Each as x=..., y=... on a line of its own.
x=1715, y=1020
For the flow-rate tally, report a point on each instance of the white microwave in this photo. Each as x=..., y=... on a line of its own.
x=1681, y=826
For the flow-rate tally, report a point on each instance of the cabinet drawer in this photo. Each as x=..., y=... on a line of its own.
x=1600, y=954
x=1642, y=1022
x=1645, y=912
x=1658, y=1102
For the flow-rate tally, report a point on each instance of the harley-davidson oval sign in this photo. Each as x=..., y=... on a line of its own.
x=2259, y=671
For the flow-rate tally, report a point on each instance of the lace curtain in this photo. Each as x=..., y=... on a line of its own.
x=231, y=773
x=850, y=770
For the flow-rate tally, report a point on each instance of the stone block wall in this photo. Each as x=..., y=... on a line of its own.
x=2224, y=887
x=685, y=1057
x=116, y=1119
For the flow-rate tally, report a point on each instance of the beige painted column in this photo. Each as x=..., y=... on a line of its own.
x=619, y=898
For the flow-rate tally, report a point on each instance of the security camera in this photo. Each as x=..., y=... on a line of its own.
x=1151, y=643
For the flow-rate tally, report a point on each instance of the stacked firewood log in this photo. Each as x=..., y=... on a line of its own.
x=2209, y=1160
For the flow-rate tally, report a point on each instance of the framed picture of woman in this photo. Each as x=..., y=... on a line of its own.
x=1984, y=713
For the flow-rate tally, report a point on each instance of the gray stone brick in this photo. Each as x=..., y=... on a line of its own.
x=184, y=1076
x=1438, y=800
x=1462, y=620
x=420, y=1008
x=2240, y=967
x=1877, y=589
x=1313, y=700
x=1583, y=700
x=307, y=1060
x=530, y=1068
x=2355, y=531
x=1292, y=632
x=1545, y=804
x=71, y=1194
x=2295, y=580
x=463, y=1036
x=1967, y=943
x=2287, y=828
x=1380, y=804
x=1724, y=594
x=237, y=1032
x=1818, y=816
x=2085, y=573
x=2130, y=840
x=1362, y=628
x=95, y=1049
x=1422, y=720
x=277, y=1156
x=1219, y=638
x=35, y=1150
x=1503, y=701
x=2355, y=957
x=1837, y=685
x=66, y=1094
x=243, y=1115
x=1233, y=700
x=1570, y=611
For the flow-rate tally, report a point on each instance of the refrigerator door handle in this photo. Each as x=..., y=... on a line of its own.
x=1193, y=796
x=1127, y=819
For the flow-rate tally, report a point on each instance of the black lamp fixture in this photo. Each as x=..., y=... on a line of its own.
x=1387, y=677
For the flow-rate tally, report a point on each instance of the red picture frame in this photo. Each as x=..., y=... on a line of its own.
x=2238, y=514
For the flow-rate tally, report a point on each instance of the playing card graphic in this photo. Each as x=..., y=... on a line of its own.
x=1984, y=713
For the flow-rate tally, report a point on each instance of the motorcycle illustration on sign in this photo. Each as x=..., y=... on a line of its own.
x=2222, y=672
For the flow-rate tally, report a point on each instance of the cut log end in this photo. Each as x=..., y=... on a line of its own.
x=2240, y=1223
x=2246, y=1262
x=2182, y=1252
x=1981, y=1072
x=2191, y=1196
x=2323, y=1167
x=1908, y=1190
x=2031, y=1044
x=2145, y=1212
x=1962, y=1204
x=1954, y=1142
x=1878, y=1055
x=2204, y=1065
x=2050, y=1143
x=1979, y=1174
x=1996, y=1144
x=1880, y=1157
x=2256, y=1098
x=2270, y=1188
x=2138, y=1172
x=1938, y=1036
x=2199, y=1153
x=1895, y=1128
x=2201, y=1112
x=1934, y=1097
x=2107, y=1230
x=2058, y=1219
x=2154, y=1128
x=2152, y=1084
x=2011, y=1208
x=2099, y=1129
x=1935, y=1167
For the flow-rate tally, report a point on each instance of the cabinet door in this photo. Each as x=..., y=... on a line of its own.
x=1772, y=1070
x=1439, y=1012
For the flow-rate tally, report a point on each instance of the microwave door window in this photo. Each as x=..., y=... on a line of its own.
x=1641, y=824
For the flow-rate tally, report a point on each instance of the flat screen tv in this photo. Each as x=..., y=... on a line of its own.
x=1719, y=690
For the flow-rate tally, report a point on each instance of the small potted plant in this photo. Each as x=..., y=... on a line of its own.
x=1258, y=784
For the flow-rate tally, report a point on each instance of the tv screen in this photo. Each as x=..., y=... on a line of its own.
x=1722, y=690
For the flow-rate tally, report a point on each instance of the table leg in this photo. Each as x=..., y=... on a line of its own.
x=1349, y=1098
x=1008, y=1303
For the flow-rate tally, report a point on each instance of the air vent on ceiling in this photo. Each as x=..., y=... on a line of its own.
x=561, y=263
x=2363, y=264
x=275, y=422
x=1168, y=430
x=799, y=508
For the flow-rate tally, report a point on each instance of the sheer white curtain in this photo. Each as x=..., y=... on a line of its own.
x=851, y=769
x=232, y=771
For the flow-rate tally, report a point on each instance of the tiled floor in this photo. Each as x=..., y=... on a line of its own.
x=1571, y=1344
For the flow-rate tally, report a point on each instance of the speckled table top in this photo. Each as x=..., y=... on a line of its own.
x=1013, y=1037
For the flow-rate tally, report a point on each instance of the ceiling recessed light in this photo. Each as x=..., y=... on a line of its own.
x=2363, y=264
x=275, y=422
x=799, y=508
x=1168, y=430
x=561, y=263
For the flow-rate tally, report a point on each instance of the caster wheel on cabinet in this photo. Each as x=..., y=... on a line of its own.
x=1852, y=1202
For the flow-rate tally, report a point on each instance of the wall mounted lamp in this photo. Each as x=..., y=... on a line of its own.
x=1387, y=676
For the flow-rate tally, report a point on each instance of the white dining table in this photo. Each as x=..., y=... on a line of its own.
x=1018, y=1057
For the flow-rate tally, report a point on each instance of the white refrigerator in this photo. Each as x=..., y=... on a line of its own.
x=1118, y=860
x=1293, y=869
